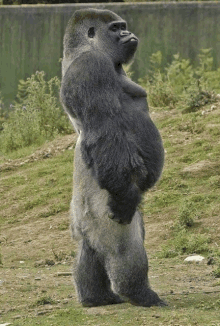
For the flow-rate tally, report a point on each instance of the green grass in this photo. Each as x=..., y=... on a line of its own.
x=127, y=315
x=38, y=188
x=181, y=215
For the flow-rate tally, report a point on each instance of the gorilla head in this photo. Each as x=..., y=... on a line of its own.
x=100, y=30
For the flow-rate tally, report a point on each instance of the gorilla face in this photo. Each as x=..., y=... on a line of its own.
x=100, y=31
x=123, y=42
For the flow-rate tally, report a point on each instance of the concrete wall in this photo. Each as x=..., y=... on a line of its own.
x=31, y=36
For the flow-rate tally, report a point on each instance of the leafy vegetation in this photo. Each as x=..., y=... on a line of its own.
x=44, y=300
x=180, y=84
x=37, y=115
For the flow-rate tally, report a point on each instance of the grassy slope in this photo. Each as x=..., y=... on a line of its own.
x=35, y=194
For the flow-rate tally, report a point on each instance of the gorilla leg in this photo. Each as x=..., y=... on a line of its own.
x=91, y=280
x=128, y=275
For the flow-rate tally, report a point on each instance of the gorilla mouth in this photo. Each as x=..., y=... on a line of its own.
x=130, y=39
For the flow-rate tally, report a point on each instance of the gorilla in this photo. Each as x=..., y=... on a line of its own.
x=118, y=156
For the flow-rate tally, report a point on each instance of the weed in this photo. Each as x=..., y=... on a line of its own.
x=215, y=181
x=186, y=215
x=160, y=93
x=191, y=243
x=59, y=256
x=167, y=252
x=185, y=242
x=63, y=226
x=45, y=300
x=180, y=84
x=37, y=115
x=1, y=261
x=216, y=272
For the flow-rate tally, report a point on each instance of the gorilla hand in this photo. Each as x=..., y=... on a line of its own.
x=124, y=207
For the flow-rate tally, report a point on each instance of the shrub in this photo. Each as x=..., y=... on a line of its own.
x=45, y=300
x=160, y=93
x=180, y=84
x=186, y=214
x=216, y=272
x=37, y=114
x=191, y=243
x=185, y=242
x=167, y=252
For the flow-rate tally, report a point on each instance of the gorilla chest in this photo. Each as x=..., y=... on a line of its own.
x=133, y=103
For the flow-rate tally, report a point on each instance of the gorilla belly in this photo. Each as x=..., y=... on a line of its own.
x=90, y=213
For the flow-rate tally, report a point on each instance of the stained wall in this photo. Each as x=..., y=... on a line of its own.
x=31, y=36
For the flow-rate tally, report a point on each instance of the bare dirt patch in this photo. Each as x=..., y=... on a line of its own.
x=47, y=150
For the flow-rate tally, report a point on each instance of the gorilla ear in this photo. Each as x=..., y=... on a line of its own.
x=91, y=32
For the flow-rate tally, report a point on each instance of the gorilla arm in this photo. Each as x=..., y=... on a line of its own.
x=90, y=92
x=132, y=88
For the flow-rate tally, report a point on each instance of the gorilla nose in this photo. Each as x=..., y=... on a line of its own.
x=125, y=33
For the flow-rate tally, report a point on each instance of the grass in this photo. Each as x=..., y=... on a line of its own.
x=181, y=215
x=45, y=182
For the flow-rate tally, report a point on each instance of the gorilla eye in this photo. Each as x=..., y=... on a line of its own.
x=91, y=32
x=114, y=28
x=123, y=28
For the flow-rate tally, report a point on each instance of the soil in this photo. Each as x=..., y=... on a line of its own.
x=38, y=258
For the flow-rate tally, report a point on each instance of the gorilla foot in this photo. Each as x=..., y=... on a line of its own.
x=104, y=301
x=150, y=299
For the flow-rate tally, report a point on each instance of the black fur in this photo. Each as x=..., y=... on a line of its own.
x=121, y=144
x=95, y=288
x=118, y=156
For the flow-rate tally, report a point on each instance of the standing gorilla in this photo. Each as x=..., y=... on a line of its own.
x=118, y=156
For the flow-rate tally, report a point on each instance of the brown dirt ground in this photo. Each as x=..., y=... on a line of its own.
x=27, y=249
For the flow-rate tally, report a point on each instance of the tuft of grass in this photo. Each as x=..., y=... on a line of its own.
x=216, y=272
x=1, y=260
x=45, y=300
x=185, y=242
x=31, y=189
x=64, y=226
x=59, y=255
x=191, y=243
x=186, y=214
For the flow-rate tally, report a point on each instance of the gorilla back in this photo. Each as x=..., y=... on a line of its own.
x=118, y=156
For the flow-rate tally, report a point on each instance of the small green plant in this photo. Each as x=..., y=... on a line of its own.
x=167, y=252
x=45, y=300
x=186, y=215
x=1, y=261
x=63, y=226
x=185, y=242
x=215, y=181
x=180, y=84
x=37, y=115
x=190, y=243
x=22, y=93
x=160, y=93
x=216, y=272
x=59, y=256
